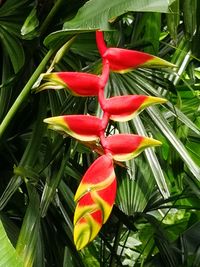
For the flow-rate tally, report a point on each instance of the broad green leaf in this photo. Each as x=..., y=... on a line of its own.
x=12, y=26
x=11, y=44
x=9, y=256
x=173, y=20
x=10, y=227
x=97, y=14
x=12, y=6
x=196, y=38
x=190, y=17
x=153, y=24
x=58, y=38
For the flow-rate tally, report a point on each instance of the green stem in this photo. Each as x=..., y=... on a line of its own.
x=116, y=243
x=50, y=16
x=24, y=93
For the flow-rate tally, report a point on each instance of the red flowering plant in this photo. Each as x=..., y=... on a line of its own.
x=96, y=193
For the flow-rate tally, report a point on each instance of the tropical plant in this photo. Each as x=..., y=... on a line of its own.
x=155, y=219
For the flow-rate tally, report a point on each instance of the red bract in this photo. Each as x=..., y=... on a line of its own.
x=95, y=198
x=124, y=108
x=79, y=84
x=100, y=174
x=123, y=60
x=127, y=146
x=81, y=127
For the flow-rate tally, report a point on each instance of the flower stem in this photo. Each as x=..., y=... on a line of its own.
x=24, y=93
x=51, y=14
x=101, y=45
x=103, y=81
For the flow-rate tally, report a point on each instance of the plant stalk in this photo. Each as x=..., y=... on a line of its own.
x=49, y=17
x=24, y=93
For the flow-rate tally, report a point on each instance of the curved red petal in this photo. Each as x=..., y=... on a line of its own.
x=85, y=205
x=123, y=143
x=101, y=169
x=108, y=194
x=123, y=108
x=98, y=176
x=123, y=59
x=81, y=127
x=127, y=146
x=82, y=84
x=97, y=216
x=83, y=124
x=86, y=200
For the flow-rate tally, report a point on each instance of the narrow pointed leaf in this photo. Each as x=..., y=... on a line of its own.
x=127, y=146
x=124, y=108
x=81, y=127
x=153, y=162
x=95, y=198
x=77, y=83
x=165, y=128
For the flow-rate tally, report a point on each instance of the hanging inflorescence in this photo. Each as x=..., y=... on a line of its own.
x=96, y=193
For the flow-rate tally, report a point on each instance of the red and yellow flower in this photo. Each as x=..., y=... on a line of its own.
x=96, y=192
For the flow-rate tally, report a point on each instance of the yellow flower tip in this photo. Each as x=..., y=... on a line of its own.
x=82, y=234
x=154, y=100
x=162, y=100
x=53, y=120
x=80, y=243
x=56, y=124
x=150, y=142
x=157, y=62
x=81, y=190
x=49, y=76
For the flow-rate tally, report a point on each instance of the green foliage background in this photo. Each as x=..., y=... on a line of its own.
x=156, y=219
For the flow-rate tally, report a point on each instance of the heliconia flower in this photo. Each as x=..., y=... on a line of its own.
x=127, y=146
x=124, y=108
x=81, y=127
x=95, y=198
x=124, y=60
x=77, y=83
